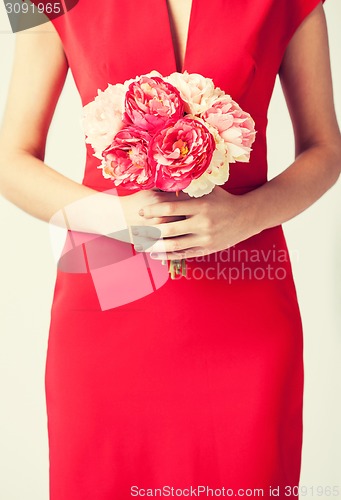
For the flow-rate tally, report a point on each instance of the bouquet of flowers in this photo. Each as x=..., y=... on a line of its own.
x=175, y=133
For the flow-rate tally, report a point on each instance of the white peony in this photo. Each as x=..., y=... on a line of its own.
x=198, y=92
x=102, y=118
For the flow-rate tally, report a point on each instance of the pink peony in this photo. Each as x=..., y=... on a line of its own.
x=180, y=152
x=234, y=125
x=217, y=172
x=151, y=102
x=126, y=160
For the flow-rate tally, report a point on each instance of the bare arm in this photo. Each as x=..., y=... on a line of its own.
x=306, y=81
x=39, y=72
x=38, y=76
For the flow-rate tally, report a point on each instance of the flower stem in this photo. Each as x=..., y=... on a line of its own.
x=177, y=267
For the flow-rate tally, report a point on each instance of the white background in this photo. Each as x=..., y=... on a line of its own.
x=27, y=273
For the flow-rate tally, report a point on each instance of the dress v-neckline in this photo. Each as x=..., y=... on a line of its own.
x=179, y=65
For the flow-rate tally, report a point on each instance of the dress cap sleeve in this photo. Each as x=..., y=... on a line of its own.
x=298, y=10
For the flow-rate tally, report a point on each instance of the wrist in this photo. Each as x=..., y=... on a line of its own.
x=99, y=213
x=252, y=212
x=109, y=213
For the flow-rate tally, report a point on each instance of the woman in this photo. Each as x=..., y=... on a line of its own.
x=167, y=390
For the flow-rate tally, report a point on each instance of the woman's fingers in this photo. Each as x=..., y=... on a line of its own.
x=170, y=209
x=179, y=227
x=189, y=253
x=172, y=236
x=166, y=247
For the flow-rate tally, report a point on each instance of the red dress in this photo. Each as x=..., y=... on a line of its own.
x=199, y=381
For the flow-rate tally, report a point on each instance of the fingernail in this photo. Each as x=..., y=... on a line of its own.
x=154, y=255
x=135, y=231
x=141, y=212
x=138, y=248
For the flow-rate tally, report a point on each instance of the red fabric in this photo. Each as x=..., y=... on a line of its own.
x=200, y=381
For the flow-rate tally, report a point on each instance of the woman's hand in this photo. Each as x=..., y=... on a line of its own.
x=132, y=204
x=211, y=223
x=107, y=214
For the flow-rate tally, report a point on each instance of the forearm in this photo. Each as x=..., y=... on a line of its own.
x=48, y=195
x=314, y=171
